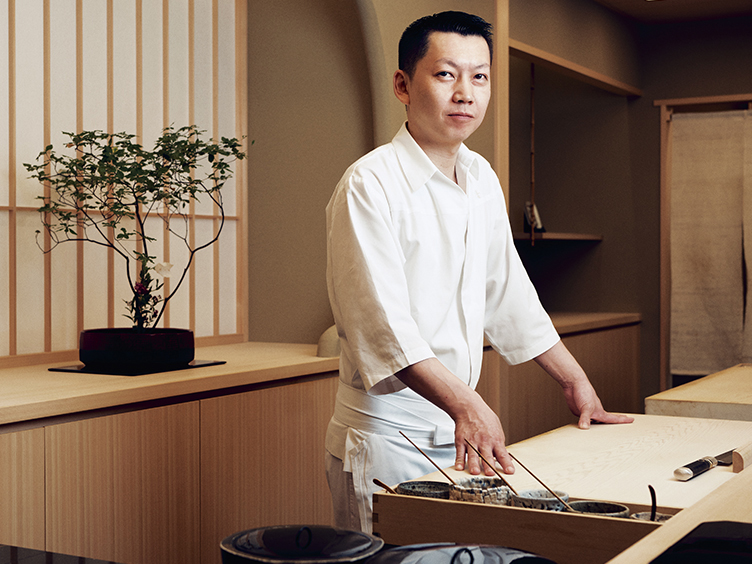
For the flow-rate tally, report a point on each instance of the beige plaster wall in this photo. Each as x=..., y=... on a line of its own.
x=311, y=116
x=580, y=31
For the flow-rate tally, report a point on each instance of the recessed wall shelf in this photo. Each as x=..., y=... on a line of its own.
x=569, y=68
x=546, y=236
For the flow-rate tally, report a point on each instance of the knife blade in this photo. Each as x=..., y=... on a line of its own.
x=701, y=465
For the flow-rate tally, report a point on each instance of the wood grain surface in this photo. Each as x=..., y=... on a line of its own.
x=617, y=462
x=723, y=395
x=22, y=488
x=32, y=392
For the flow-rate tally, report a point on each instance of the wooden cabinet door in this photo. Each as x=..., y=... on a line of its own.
x=22, y=488
x=529, y=402
x=262, y=460
x=125, y=487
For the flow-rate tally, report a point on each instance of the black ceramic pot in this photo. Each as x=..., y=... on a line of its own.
x=304, y=544
x=132, y=351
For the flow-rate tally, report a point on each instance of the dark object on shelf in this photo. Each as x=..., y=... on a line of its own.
x=134, y=350
x=114, y=371
x=299, y=543
x=129, y=351
x=533, y=218
x=729, y=542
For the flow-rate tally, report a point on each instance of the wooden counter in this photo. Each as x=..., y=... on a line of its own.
x=723, y=395
x=160, y=468
x=732, y=501
x=33, y=392
x=609, y=462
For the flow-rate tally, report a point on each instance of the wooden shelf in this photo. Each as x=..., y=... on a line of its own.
x=34, y=393
x=577, y=322
x=568, y=68
x=520, y=236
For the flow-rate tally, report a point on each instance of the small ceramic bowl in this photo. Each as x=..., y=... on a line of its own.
x=602, y=508
x=480, y=489
x=645, y=516
x=437, y=490
x=539, y=499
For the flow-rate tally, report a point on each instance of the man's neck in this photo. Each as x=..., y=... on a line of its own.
x=446, y=163
x=443, y=157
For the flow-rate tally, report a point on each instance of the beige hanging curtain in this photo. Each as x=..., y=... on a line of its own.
x=711, y=230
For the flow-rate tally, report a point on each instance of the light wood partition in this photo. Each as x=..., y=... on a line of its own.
x=22, y=488
x=116, y=65
x=126, y=487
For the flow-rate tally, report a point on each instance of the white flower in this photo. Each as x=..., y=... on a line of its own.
x=163, y=269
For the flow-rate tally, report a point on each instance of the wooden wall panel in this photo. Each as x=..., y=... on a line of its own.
x=126, y=487
x=530, y=402
x=22, y=489
x=262, y=460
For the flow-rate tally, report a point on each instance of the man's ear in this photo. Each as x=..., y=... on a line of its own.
x=401, y=87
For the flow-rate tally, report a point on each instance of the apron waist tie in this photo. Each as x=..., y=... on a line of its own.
x=390, y=414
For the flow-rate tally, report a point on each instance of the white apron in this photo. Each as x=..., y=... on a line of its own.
x=374, y=447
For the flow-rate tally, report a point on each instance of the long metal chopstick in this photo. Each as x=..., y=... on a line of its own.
x=429, y=459
x=552, y=492
x=503, y=481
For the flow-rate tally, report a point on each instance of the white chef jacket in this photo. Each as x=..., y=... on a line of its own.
x=419, y=267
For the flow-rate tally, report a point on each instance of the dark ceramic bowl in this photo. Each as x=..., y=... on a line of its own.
x=438, y=490
x=539, y=499
x=602, y=508
x=480, y=489
x=645, y=516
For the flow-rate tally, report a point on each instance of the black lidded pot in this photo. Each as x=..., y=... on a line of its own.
x=311, y=544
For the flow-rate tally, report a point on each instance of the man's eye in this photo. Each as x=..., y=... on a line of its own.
x=481, y=77
x=444, y=74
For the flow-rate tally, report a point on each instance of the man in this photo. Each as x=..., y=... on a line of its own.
x=422, y=265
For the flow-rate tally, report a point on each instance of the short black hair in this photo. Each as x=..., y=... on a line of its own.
x=414, y=41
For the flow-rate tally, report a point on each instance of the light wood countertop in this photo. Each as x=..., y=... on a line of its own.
x=732, y=501
x=723, y=395
x=617, y=462
x=33, y=392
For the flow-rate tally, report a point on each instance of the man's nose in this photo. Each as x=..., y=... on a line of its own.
x=463, y=93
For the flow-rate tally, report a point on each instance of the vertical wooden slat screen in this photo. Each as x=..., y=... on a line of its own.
x=116, y=65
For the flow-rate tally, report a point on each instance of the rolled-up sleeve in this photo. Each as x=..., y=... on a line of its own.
x=367, y=284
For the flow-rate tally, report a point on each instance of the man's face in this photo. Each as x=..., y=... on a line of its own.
x=449, y=91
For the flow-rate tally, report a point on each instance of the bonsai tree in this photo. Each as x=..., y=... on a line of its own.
x=107, y=185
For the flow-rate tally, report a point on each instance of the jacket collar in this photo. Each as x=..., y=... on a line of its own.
x=418, y=168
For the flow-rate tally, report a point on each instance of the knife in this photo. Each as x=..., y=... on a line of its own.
x=703, y=465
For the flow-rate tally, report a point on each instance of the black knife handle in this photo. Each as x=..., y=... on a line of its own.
x=695, y=468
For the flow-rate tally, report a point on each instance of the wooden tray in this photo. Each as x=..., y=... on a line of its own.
x=565, y=538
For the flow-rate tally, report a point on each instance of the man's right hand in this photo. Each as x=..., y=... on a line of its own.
x=474, y=420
